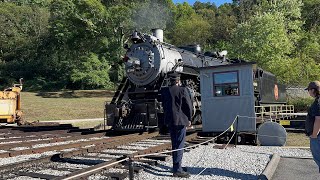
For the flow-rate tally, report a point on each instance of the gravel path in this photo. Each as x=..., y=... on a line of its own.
x=10, y=160
x=205, y=162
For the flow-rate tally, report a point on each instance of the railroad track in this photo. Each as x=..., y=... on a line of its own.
x=73, y=156
x=15, y=142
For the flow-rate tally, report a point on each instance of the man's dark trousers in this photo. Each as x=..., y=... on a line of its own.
x=178, y=137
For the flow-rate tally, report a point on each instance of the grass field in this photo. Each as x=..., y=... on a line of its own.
x=297, y=139
x=67, y=105
x=64, y=105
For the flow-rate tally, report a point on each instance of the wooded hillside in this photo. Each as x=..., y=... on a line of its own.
x=78, y=44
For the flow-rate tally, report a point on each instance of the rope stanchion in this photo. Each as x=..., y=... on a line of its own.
x=236, y=140
x=229, y=140
x=223, y=148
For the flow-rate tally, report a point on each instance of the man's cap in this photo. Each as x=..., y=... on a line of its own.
x=174, y=75
x=313, y=85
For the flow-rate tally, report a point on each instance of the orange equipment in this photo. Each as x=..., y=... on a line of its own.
x=10, y=104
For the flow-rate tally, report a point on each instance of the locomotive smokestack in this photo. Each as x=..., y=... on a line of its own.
x=158, y=33
x=135, y=36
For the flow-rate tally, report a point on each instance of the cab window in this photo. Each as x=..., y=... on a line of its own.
x=226, y=83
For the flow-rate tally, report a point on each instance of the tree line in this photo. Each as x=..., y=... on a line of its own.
x=78, y=44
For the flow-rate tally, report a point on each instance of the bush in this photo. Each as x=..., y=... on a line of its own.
x=41, y=84
x=301, y=104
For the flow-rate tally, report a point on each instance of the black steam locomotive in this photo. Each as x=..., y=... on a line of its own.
x=136, y=105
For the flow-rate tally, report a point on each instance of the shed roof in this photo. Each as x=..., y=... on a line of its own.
x=228, y=65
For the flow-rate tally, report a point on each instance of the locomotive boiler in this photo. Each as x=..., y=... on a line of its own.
x=137, y=104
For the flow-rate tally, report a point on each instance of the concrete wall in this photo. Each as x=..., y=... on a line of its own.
x=297, y=93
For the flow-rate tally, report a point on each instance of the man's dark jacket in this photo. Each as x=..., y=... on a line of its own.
x=177, y=105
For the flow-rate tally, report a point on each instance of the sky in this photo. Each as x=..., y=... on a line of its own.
x=217, y=2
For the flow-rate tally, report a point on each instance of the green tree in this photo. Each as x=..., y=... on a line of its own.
x=290, y=10
x=91, y=73
x=225, y=22
x=183, y=11
x=23, y=29
x=39, y=3
x=77, y=29
x=264, y=39
x=122, y=26
x=194, y=30
x=311, y=14
x=199, y=6
x=307, y=58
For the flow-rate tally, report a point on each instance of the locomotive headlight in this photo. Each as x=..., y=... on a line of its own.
x=136, y=62
x=132, y=61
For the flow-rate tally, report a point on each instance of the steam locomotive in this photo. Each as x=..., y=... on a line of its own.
x=136, y=104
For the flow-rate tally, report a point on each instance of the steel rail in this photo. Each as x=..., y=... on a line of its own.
x=97, y=168
x=112, y=142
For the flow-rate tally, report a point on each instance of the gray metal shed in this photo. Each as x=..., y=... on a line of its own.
x=227, y=91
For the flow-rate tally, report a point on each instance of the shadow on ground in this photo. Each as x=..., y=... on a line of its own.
x=77, y=94
x=163, y=171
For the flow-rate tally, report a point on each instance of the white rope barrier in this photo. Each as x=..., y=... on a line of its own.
x=205, y=153
x=189, y=147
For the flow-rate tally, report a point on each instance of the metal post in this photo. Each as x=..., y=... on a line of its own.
x=131, y=173
x=236, y=142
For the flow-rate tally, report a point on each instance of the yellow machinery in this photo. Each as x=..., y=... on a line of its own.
x=10, y=104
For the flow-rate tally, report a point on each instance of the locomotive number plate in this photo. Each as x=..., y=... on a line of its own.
x=285, y=122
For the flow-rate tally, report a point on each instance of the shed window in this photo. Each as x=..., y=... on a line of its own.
x=226, y=83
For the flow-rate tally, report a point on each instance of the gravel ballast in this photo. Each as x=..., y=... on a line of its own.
x=206, y=162
x=10, y=160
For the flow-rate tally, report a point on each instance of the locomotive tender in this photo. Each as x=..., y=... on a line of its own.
x=136, y=104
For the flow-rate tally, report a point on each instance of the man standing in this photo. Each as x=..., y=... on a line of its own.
x=313, y=121
x=177, y=115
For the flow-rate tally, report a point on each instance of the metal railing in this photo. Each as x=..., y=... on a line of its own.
x=274, y=112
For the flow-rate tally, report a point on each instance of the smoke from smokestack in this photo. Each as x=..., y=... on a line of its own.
x=152, y=16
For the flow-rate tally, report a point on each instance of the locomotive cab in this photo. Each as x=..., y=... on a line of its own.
x=243, y=97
